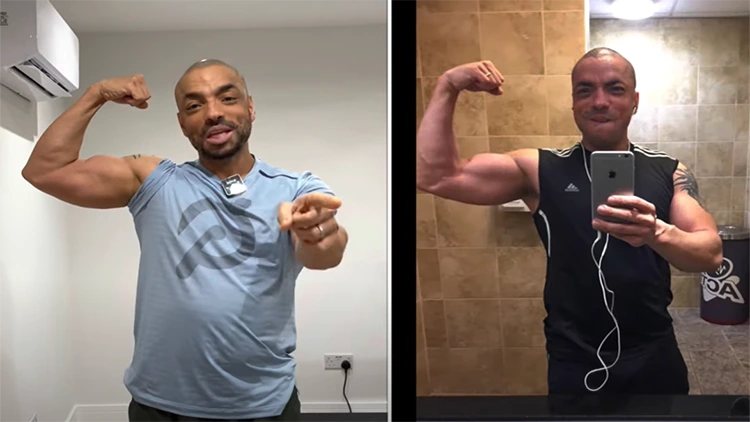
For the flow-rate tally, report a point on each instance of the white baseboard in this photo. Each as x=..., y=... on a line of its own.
x=119, y=412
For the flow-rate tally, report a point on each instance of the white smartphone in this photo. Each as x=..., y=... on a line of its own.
x=612, y=173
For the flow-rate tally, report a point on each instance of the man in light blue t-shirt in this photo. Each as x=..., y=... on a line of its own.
x=223, y=239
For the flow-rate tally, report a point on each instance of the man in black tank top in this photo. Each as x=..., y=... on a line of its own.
x=668, y=226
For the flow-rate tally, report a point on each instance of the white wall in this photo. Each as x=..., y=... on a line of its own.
x=320, y=96
x=35, y=354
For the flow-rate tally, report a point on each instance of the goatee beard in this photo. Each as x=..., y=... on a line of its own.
x=226, y=155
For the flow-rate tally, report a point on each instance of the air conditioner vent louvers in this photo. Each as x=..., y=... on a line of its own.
x=36, y=64
x=22, y=74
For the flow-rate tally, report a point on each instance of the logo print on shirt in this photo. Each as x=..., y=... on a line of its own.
x=244, y=234
x=571, y=188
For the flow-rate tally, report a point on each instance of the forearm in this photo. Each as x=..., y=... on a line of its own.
x=325, y=254
x=61, y=143
x=437, y=152
x=695, y=252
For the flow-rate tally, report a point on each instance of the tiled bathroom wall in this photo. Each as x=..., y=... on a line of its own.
x=480, y=272
x=694, y=86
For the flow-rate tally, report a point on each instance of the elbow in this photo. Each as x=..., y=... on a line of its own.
x=715, y=258
x=428, y=181
x=30, y=176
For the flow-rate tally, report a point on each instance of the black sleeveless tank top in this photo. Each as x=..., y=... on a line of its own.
x=577, y=319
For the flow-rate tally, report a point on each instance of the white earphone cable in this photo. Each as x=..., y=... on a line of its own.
x=610, y=306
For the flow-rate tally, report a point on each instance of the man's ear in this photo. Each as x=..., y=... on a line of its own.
x=637, y=99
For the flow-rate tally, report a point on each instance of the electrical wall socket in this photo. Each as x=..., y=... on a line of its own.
x=333, y=361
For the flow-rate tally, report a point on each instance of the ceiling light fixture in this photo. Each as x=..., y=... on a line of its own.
x=633, y=9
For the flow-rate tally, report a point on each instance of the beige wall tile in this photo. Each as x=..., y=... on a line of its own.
x=644, y=126
x=713, y=159
x=563, y=4
x=419, y=63
x=420, y=327
x=677, y=123
x=523, y=322
x=718, y=85
x=521, y=109
x=560, y=103
x=715, y=192
x=462, y=225
x=468, y=147
x=467, y=371
x=720, y=42
x=469, y=273
x=448, y=6
x=741, y=119
x=505, y=144
x=686, y=292
x=447, y=40
x=744, y=44
x=513, y=42
x=469, y=118
x=679, y=85
x=434, y=323
x=683, y=151
x=742, y=76
x=510, y=5
x=426, y=226
x=564, y=41
x=526, y=371
x=473, y=323
x=516, y=229
x=521, y=271
x=423, y=380
x=739, y=197
x=716, y=123
x=428, y=266
x=680, y=40
x=740, y=159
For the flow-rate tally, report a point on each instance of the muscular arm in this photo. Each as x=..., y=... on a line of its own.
x=692, y=242
x=485, y=179
x=55, y=168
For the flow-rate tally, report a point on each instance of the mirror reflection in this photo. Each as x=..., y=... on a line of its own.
x=582, y=208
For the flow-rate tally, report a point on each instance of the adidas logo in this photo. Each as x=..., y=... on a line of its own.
x=571, y=188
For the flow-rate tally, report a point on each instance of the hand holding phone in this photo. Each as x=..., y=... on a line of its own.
x=613, y=186
x=612, y=173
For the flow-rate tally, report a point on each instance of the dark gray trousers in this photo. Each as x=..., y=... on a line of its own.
x=138, y=412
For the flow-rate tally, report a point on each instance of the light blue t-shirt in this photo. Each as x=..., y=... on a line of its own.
x=214, y=314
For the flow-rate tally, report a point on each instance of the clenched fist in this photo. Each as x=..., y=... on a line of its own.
x=476, y=77
x=130, y=90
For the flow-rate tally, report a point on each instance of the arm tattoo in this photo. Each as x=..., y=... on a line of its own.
x=135, y=156
x=686, y=181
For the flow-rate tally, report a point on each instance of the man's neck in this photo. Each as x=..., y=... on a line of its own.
x=623, y=145
x=240, y=164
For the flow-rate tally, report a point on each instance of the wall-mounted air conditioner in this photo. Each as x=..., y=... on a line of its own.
x=39, y=59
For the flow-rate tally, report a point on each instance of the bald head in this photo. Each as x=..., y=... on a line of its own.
x=202, y=64
x=601, y=53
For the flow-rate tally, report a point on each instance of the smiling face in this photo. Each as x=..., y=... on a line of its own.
x=604, y=100
x=215, y=112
